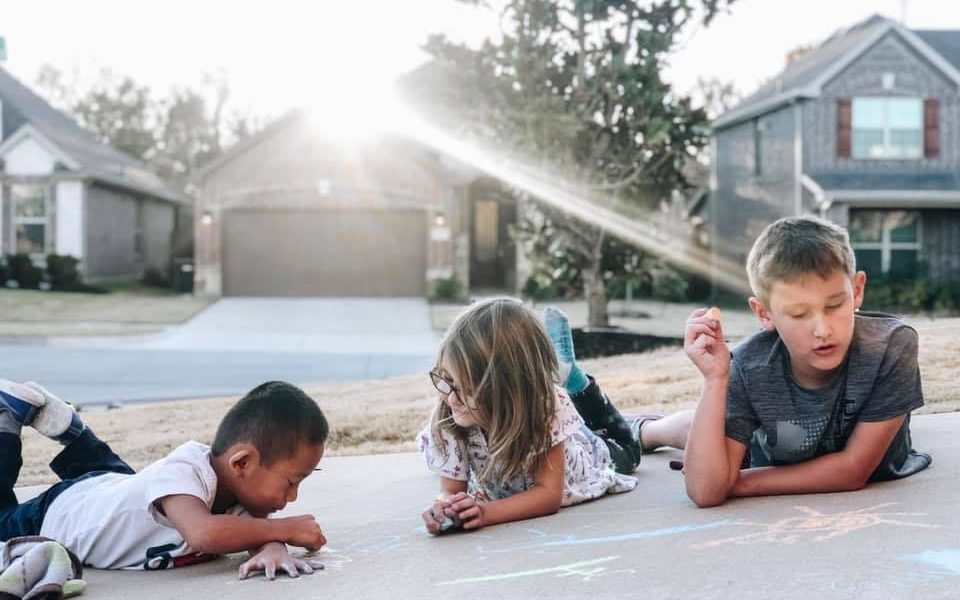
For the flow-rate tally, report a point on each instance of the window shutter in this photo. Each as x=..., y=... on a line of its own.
x=931, y=127
x=843, y=127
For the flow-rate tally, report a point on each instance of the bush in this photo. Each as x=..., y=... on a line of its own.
x=63, y=272
x=154, y=278
x=912, y=295
x=4, y=271
x=447, y=289
x=668, y=285
x=21, y=269
x=540, y=288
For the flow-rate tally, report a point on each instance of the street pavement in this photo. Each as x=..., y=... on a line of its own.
x=891, y=540
x=234, y=345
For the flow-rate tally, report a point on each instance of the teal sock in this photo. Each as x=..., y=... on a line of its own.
x=558, y=328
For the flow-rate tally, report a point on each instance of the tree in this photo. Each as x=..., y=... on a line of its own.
x=173, y=136
x=576, y=86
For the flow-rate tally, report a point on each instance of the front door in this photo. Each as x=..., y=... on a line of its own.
x=491, y=249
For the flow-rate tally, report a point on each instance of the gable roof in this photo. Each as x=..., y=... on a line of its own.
x=93, y=158
x=806, y=76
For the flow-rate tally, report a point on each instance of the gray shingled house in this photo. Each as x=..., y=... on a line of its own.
x=863, y=129
x=62, y=191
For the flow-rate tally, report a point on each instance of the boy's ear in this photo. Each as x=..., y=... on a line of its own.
x=242, y=458
x=859, y=283
x=762, y=314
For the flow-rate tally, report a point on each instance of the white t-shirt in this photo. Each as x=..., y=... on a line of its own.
x=111, y=522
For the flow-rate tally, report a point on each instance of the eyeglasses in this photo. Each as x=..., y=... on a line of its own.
x=443, y=385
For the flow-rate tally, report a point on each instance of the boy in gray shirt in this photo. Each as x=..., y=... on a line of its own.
x=820, y=400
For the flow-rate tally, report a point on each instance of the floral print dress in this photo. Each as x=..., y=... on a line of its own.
x=588, y=469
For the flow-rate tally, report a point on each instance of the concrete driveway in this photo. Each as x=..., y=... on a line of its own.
x=233, y=345
x=898, y=539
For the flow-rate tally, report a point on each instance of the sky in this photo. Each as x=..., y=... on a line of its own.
x=280, y=54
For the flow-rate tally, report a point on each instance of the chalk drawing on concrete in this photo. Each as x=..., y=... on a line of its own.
x=585, y=570
x=947, y=560
x=815, y=526
x=545, y=542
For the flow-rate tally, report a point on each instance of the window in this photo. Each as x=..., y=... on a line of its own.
x=886, y=242
x=887, y=128
x=30, y=209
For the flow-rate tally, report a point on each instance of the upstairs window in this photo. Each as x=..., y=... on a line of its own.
x=888, y=128
x=886, y=242
x=30, y=209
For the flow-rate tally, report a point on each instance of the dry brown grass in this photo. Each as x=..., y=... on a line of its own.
x=383, y=416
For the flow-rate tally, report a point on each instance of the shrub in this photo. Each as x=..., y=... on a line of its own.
x=63, y=272
x=154, y=278
x=447, y=289
x=24, y=272
x=540, y=288
x=912, y=295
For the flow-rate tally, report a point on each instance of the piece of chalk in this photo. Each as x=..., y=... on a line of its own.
x=714, y=313
x=449, y=523
x=676, y=465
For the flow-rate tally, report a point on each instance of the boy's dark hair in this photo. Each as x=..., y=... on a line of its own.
x=275, y=417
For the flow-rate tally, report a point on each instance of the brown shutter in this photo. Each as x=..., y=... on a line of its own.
x=931, y=127
x=843, y=127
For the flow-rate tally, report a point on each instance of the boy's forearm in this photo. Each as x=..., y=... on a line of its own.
x=706, y=465
x=232, y=533
x=827, y=473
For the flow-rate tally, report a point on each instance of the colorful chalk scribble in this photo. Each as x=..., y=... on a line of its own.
x=585, y=570
x=815, y=526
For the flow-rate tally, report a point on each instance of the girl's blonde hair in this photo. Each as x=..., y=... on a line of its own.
x=504, y=363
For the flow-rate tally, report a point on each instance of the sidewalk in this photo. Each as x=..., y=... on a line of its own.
x=650, y=317
x=892, y=540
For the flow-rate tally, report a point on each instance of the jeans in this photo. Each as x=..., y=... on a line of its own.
x=85, y=457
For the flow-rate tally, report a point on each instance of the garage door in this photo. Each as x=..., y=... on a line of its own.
x=324, y=253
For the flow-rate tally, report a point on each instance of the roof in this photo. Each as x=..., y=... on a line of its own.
x=94, y=159
x=805, y=76
x=940, y=182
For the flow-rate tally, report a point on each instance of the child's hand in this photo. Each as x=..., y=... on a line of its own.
x=440, y=518
x=304, y=531
x=703, y=343
x=468, y=510
x=273, y=555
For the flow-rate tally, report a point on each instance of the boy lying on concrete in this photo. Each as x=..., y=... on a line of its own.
x=820, y=400
x=194, y=504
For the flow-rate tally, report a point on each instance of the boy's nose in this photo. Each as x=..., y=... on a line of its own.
x=822, y=329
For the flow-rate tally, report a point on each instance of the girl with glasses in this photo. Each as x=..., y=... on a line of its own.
x=506, y=439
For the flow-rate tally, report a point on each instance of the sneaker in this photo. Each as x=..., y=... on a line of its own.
x=57, y=419
x=23, y=402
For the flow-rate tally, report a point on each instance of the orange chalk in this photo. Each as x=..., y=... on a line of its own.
x=714, y=313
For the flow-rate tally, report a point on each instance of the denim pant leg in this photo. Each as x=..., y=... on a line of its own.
x=88, y=454
x=85, y=457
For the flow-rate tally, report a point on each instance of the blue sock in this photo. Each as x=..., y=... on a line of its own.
x=558, y=328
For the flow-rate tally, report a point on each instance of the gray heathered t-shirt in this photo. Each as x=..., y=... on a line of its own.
x=782, y=423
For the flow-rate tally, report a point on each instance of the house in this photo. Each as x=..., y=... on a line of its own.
x=294, y=212
x=864, y=130
x=62, y=191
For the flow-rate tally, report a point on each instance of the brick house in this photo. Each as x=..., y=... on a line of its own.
x=863, y=129
x=292, y=212
x=62, y=191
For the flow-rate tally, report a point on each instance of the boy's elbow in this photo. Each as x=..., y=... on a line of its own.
x=706, y=499
x=202, y=539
